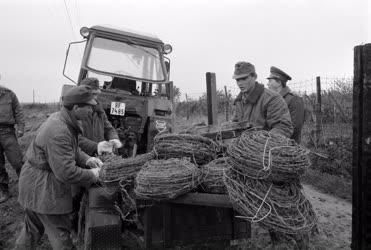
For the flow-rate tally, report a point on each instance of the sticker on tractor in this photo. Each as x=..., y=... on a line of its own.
x=117, y=108
x=160, y=125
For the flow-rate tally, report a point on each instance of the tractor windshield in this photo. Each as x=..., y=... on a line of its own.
x=114, y=57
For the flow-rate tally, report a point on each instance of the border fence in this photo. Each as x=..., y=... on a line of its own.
x=328, y=105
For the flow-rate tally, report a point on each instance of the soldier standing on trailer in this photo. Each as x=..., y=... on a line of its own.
x=259, y=106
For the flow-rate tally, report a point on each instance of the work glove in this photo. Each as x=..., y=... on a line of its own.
x=94, y=162
x=96, y=172
x=104, y=147
x=116, y=143
x=20, y=133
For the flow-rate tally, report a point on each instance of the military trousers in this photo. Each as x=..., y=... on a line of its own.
x=9, y=147
x=56, y=227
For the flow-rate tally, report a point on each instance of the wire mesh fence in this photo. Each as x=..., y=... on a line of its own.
x=328, y=105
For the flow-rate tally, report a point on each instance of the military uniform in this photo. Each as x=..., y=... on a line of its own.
x=260, y=106
x=51, y=168
x=11, y=114
x=96, y=128
x=294, y=102
x=296, y=107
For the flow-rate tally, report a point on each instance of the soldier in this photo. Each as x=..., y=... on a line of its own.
x=11, y=114
x=277, y=82
x=260, y=106
x=52, y=165
x=97, y=130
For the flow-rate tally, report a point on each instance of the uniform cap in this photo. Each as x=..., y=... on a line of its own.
x=79, y=95
x=276, y=73
x=92, y=82
x=243, y=69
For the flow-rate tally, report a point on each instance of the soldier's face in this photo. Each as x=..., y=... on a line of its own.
x=82, y=111
x=274, y=85
x=246, y=83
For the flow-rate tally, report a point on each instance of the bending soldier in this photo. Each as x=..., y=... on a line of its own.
x=52, y=165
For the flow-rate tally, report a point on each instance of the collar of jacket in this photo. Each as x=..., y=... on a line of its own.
x=71, y=121
x=251, y=96
x=284, y=91
x=98, y=109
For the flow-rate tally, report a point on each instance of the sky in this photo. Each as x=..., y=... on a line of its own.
x=305, y=38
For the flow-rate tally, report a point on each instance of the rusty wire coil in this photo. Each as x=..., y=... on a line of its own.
x=116, y=168
x=281, y=207
x=262, y=154
x=166, y=179
x=198, y=149
x=213, y=176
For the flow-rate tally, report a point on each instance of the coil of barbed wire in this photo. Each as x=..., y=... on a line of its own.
x=166, y=179
x=213, y=176
x=199, y=149
x=262, y=155
x=115, y=167
x=278, y=206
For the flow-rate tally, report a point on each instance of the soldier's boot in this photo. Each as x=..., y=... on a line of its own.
x=4, y=193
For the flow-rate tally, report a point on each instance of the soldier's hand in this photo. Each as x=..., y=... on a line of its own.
x=20, y=133
x=94, y=162
x=96, y=172
x=104, y=147
x=116, y=143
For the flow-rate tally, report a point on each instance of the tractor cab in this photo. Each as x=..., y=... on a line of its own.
x=133, y=72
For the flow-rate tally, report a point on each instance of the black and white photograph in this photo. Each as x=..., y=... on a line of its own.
x=185, y=124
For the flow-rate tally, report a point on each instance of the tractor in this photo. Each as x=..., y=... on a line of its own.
x=136, y=94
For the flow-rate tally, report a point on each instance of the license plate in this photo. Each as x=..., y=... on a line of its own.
x=117, y=108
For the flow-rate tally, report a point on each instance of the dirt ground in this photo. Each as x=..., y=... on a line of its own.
x=334, y=214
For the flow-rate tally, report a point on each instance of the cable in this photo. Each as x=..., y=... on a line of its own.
x=69, y=19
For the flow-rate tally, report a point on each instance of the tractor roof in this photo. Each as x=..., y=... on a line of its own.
x=126, y=32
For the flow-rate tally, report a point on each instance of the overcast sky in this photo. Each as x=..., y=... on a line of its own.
x=306, y=38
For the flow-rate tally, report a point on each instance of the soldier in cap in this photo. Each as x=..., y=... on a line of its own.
x=54, y=162
x=278, y=83
x=259, y=106
x=11, y=115
x=98, y=134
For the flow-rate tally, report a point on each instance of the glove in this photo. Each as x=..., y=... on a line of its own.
x=20, y=133
x=104, y=147
x=116, y=143
x=96, y=172
x=94, y=162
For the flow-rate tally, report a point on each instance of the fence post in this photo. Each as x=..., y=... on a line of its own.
x=187, y=106
x=211, y=99
x=361, y=214
x=318, y=111
x=226, y=104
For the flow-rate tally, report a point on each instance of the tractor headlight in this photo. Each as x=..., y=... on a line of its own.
x=167, y=48
x=84, y=31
